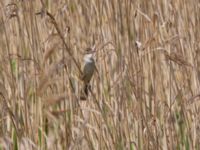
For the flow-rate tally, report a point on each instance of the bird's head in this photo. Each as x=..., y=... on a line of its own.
x=89, y=55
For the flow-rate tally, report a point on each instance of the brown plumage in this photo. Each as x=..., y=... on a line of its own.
x=88, y=70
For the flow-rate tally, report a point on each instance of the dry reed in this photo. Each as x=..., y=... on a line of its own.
x=145, y=94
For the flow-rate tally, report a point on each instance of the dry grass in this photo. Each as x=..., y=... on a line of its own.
x=144, y=96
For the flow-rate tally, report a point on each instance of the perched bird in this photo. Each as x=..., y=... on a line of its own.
x=88, y=70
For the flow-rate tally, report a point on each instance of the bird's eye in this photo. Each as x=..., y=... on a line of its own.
x=88, y=50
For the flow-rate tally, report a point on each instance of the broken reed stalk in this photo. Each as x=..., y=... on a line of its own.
x=53, y=21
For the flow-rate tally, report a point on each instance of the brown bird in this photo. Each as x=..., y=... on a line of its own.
x=88, y=70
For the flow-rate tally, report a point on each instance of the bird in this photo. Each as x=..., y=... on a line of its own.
x=88, y=71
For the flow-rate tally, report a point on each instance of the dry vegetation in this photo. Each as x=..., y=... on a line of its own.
x=144, y=96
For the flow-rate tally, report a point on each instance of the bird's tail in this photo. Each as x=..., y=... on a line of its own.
x=84, y=92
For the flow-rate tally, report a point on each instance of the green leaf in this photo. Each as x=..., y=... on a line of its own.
x=131, y=146
x=187, y=145
x=13, y=65
x=15, y=144
x=40, y=137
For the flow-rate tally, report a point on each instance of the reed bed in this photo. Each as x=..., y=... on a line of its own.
x=145, y=94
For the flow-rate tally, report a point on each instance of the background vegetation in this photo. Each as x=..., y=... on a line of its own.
x=144, y=96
